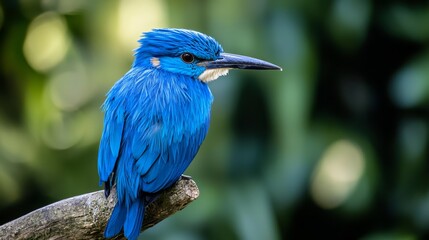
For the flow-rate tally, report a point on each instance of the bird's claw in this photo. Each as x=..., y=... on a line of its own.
x=186, y=177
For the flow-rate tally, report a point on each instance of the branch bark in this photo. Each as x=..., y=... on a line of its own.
x=85, y=216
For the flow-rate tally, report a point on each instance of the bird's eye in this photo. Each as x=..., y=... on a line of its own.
x=187, y=57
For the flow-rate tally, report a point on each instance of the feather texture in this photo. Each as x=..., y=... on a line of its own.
x=156, y=117
x=154, y=125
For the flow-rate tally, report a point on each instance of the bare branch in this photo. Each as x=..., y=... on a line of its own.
x=85, y=216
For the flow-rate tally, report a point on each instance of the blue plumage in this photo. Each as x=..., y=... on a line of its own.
x=156, y=117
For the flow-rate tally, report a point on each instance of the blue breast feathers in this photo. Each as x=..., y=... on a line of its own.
x=154, y=125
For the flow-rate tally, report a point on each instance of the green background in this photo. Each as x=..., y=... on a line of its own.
x=335, y=146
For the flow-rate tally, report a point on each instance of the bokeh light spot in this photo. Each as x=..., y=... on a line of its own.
x=410, y=86
x=136, y=16
x=337, y=174
x=69, y=90
x=353, y=14
x=61, y=131
x=46, y=43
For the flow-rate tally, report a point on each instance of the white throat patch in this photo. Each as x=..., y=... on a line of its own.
x=212, y=74
x=155, y=62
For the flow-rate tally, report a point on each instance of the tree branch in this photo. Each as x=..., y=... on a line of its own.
x=85, y=216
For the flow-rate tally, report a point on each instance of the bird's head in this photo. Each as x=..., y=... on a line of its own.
x=191, y=53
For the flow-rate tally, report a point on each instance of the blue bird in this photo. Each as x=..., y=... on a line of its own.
x=156, y=117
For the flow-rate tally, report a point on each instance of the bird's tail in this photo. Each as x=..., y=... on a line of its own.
x=130, y=220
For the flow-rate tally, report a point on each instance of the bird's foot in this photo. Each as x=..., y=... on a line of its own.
x=186, y=177
x=106, y=189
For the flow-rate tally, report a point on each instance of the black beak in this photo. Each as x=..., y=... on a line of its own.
x=235, y=61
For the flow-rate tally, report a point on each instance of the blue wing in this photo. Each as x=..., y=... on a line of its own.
x=110, y=143
x=154, y=164
x=160, y=167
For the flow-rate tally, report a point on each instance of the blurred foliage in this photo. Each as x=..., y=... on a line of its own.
x=335, y=146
